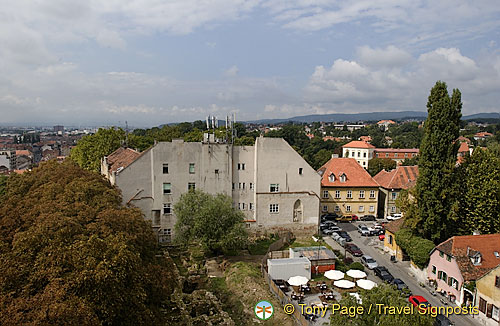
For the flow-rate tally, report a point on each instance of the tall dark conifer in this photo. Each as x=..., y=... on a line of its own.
x=438, y=156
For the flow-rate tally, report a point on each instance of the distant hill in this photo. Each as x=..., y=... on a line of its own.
x=371, y=116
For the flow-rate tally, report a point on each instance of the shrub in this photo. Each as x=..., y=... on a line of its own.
x=348, y=260
x=357, y=265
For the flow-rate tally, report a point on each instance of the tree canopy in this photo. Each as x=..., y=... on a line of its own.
x=71, y=254
x=375, y=165
x=210, y=220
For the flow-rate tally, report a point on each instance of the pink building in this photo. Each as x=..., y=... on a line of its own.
x=460, y=260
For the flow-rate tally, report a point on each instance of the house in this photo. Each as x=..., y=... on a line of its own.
x=359, y=150
x=396, y=154
x=384, y=124
x=391, y=183
x=366, y=138
x=460, y=260
x=284, y=268
x=487, y=297
x=390, y=245
x=482, y=135
x=322, y=259
x=8, y=160
x=347, y=188
x=351, y=128
x=269, y=182
x=310, y=136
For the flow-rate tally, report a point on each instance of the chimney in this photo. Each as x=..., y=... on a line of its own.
x=335, y=155
x=476, y=232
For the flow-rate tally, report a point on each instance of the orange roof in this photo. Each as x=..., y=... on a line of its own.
x=396, y=150
x=483, y=134
x=463, y=148
x=20, y=152
x=386, y=121
x=402, y=177
x=395, y=226
x=462, y=248
x=356, y=176
x=121, y=158
x=365, y=138
x=463, y=139
x=358, y=144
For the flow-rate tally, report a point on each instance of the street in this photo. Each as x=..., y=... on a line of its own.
x=373, y=247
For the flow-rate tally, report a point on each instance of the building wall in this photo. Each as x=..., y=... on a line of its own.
x=486, y=290
x=398, y=157
x=343, y=202
x=362, y=155
x=391, y=246
x=451, y=269
x=389, y=204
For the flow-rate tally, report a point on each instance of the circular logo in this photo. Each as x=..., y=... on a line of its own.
x=264, y=310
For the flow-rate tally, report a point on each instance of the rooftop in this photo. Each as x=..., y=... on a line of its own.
x=397, y=150
x=314, y=253
x=121, y=158
x=402, y=177
x=355, y=175
x=358, y=144
x=394, y=226
x=287, y=261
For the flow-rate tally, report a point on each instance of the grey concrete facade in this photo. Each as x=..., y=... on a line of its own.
x=269, y=182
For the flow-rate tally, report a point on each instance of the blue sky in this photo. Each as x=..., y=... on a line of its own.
x=151, y=62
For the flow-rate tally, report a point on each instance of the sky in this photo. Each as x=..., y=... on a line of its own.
x=150, y=62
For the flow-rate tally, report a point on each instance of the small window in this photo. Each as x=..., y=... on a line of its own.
x=325, y=208
x=386, y=154
x=274, y=187
x=191, y=186
x=433, y=271
x=165, y=168
x=441, y=254
x=167, y=188
x=482, y=305
x=372, y=209
x=394, y=195
x=349, y=194
x=448, y=257
x=191, y=168
x=273, y=208
x=361, y=208
x=359, y=154
x=337, y=194
x=348, y=208
x=325, y=193
x=331, y=177
x=390, y=239
x=361, y=194
x=343, y=178
x=250, y=206
x=395, y=154
x=337, y=208
x=167, y=208
x=497, y=281
x=233, y=186
x=251, y=186
x=393, y=209
x=216, y=171
x=372, y=193
x=243, y=166
x=300, y=171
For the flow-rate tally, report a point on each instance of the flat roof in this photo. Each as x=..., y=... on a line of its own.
x=287, y=261
x=315, y=253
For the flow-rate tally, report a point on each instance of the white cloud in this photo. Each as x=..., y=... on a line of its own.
x=391, y=56
x=232, y=71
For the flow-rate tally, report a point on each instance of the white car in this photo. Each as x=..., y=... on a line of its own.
x=369, y=262
x=394, y=217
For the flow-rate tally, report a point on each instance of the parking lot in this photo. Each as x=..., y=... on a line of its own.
x=372, y=246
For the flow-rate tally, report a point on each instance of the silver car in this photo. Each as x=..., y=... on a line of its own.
x=369, y=262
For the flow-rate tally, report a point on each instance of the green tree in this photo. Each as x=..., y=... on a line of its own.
x=210, y=220
x=3, y=184
x=70, y=254
x=380, y=296
x=437, y=158
x=375, y=165
x=479, y=200
x=92, y=148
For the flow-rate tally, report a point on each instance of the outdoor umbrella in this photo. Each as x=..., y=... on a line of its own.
x=297, y=280
x=366, y=284
x=344, y=284
x=334, y=275
x=356, y=273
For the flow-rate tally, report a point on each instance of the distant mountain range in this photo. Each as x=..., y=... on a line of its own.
x=371, y=116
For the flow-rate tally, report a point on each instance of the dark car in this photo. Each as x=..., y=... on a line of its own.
x=442, y=320
x=383, y=273
x=329, y=217
x=367, y=218
x=419, y=301
x=353, y=249
x=401, y=286
x=344, y=235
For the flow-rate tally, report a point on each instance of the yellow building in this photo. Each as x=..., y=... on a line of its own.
x=390, y=244
x=487, y=297
x=347, y=189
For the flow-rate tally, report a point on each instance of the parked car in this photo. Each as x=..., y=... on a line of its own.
x=363, y=230
x=331, y=230
x=345, y=235
x=442, y=320
x=369, y=262
x=381, y=237
x=367, y=218
x=354, y=217
x=327, y=224
x=329, y=216
x=419, y=301
x=346, y=218
x=394, y=217
x=336, y=236
x=353, y=249
x=342, y=242
x=401, y=286
x=383, y=274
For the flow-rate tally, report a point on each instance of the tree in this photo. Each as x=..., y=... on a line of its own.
x=437, y=158
x=210, y=220
x=71, y=254
x=375, y=165
x=92, y=148
x=381, y=296
x=3, y=184
x=479, y=201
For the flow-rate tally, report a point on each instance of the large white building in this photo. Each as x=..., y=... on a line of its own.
x=269, y=182
x=361, y=151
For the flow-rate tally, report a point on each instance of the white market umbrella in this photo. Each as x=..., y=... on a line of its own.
x=356, y=273
x=334, y=275
x=344, y=284
x=357, y=296
x=297, y=280
x=366, y=284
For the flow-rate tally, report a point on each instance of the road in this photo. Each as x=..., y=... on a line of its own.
x=373, y=247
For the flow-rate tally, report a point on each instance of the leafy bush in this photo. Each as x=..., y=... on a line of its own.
x=416, y=247
x=357, y=265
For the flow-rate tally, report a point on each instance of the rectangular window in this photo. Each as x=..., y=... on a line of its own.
x=359, y=154
x=165, y=168
x=441, y=254
x=233, y=185
x=273, y=208
x=300, y=170
x=167, y=208
x=241, y=166
x=337, y=208
x=433, y=269
x=156, y=217
x=372, y=193
x=191, y=186
x=361, y=208
x=216, y=171
x=250, y=206
x=482, y=305
x=191, y=168
x=251, y=186
x=167, y=188
x=325, y=208
x=349, y=193
x=239, y=206
x=395, y=154
x=393, y=209
x=386, y=154
x=390, y=239
x=497, y=281
x=448, y=257
x=348, y=208
x=372, y=209
x=337, y=194
x=406, y=155
x=274, y=187
x=325, y=193
x=243, y=186
x=243, y=206
x=361, y=194
x=495, y=313
x=364, y=154
x=394, y=195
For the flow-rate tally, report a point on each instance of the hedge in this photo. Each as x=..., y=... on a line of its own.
x=416, y=247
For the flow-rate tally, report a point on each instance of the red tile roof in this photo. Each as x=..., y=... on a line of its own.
x=402, y=177
x=394, y=226
x=356, y=176
x=483, y=134
x=396, y=150
x=20, y=152
x=463, y=247
x=358, y=144
x=122, y=157
x=464, y=148
x=386, y=121
x=464, y=139
x=366, y=138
